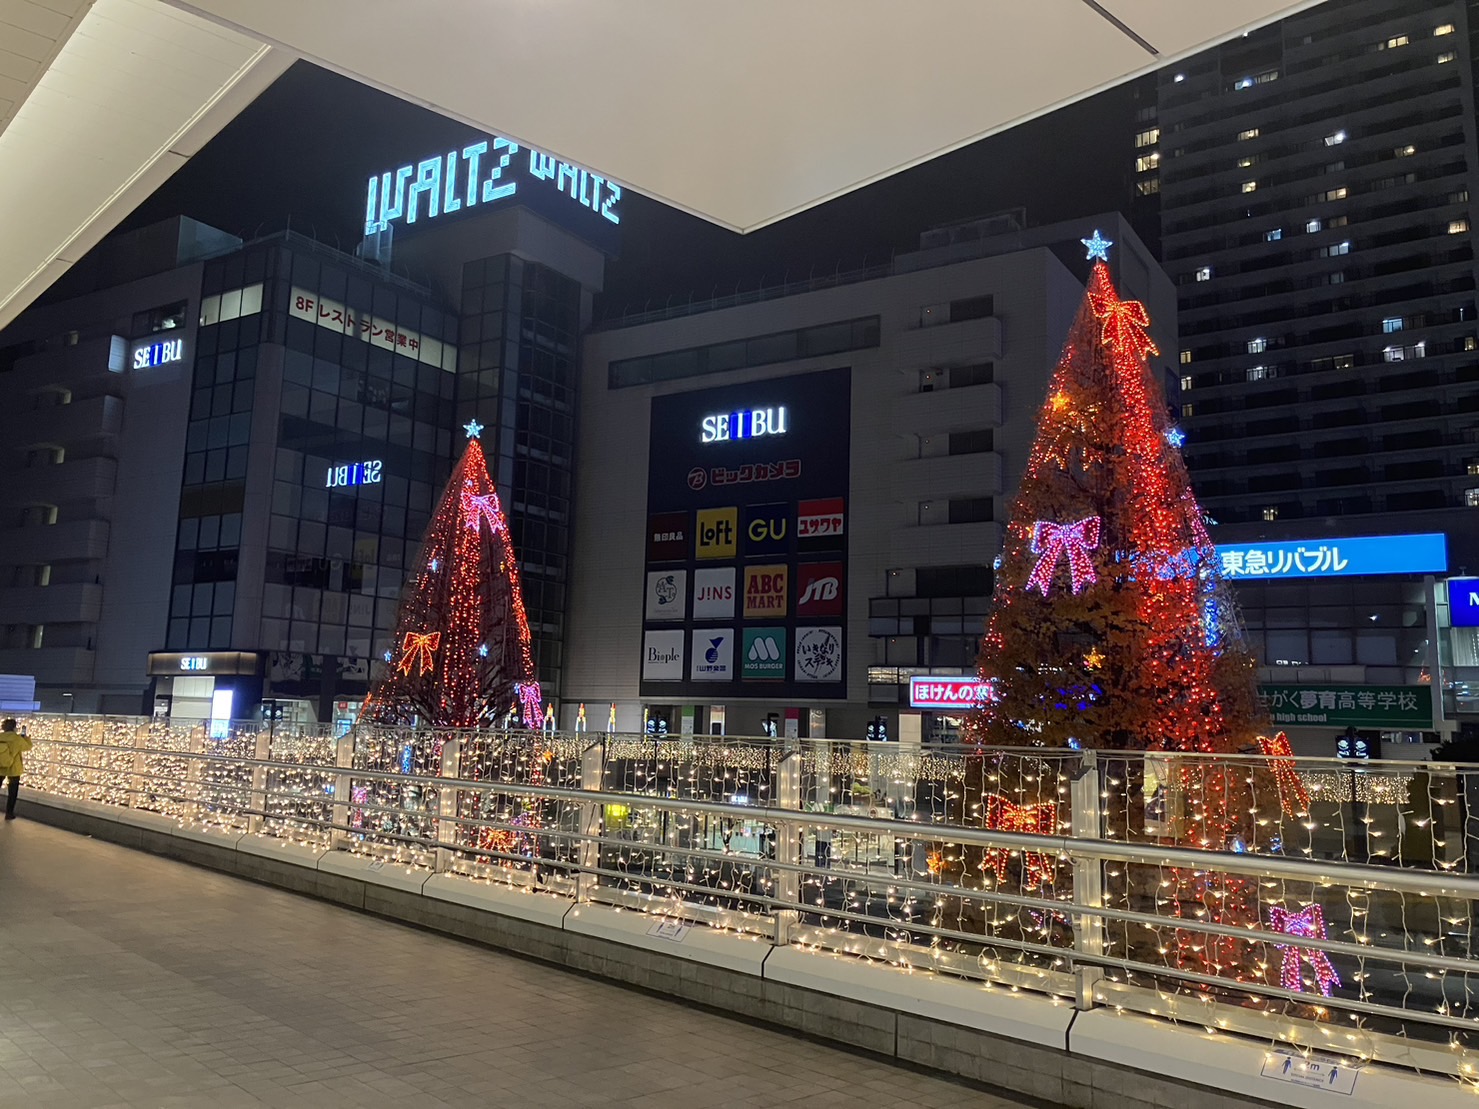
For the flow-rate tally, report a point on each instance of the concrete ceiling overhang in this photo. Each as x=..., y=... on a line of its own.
x=743, y=113
x=740, y=113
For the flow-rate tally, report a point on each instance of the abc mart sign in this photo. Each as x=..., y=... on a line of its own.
x=958, y=694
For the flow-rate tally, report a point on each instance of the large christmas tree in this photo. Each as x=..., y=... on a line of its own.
x=461, y=655
x=1111, y=629
x=1111, y=626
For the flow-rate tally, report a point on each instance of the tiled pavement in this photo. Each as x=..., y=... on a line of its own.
x=130, y=980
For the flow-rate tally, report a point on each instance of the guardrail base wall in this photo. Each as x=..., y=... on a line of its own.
x=864, y=1006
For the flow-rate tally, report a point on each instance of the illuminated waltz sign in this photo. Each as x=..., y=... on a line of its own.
x=747, y=423
x=483, y=172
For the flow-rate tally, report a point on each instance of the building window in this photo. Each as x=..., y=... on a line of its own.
x=1188, y=410
x=1149, y=187
x=1345, y=361
x=1256, y=373
x=1186, y=358
x=1335, y=138
x=1273, y=236
x=232, y=305
x=38, y=515
x=970, y=510
x=1148, y=137
x=1250, y=186
x=1186, y=383
x=1257, y=346
x=1473, y=467
x=1204, y=273
x=1334, y=250
x=1146, y=163
x=46, y=456
x=1446, y=57
x=1471, y=498
x=1402, y=354
x=1457, y=226
x=1396, y=41
x=1251, y=133
x=1247, y=161
x=1404, y=151
x=1312, y=226
x=1178, y=78
x=1270, y=513
x=31, y=574
x=971, y=442
x=1391, y=324
x=164, y=318
x=1442, y=29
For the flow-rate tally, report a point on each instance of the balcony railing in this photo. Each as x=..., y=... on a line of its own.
x=1344, y=921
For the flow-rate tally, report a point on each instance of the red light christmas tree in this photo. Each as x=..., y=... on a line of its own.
x=1111, y=627
x=461, y=655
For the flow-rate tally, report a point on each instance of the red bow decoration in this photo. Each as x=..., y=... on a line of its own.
x=1074, y=541
x=1291, y=786
x=419, y=645
x=1309, y=924
x=476, y=509
x=1003, y=815
x=1125, y=322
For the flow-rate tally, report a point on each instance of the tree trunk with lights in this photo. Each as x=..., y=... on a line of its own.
x=461, y=655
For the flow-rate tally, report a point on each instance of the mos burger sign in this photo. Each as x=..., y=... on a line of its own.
x=946, y=694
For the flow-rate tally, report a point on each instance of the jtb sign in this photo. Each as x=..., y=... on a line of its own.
x=748, y=423
x=1324, y=558
x=948, y=694
x=483, y=172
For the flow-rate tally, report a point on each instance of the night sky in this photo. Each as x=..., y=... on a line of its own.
x=302, y=152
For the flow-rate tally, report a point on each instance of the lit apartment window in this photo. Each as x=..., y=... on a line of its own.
x=38, y=514
x=1188, y=410
x=1335, y=139
x=32, y=574
x=1391, y=324
x=1273, y=236
x=1257, y=346
x=1147, y=138
x=1457, y=226
x=1256, y=373
x=1186, y=383
x=1447, y=56
x=1186, y=358
x=1251, y=133
x=1471, y=343
x=1471, y=498
x=1147, y=162
x=1442, y=29
x=1405, y=151
x=1250, y=186
x=1334, y=250
x=1204, y=273
x=1473, y=467
x=1312, y=226
x=1270, y=513
x=1149, y=187
x=46, y=456
x=1396, y=41
x=1401, y=354
x=1178, y=78
x=1248, y=162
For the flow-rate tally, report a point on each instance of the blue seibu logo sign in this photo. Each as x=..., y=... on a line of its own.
x=160, y=353
x=747, y=423
x=484, y=172
x=353, y=473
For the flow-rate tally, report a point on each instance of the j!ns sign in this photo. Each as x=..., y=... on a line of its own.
x=480, y=173
x=746, y=423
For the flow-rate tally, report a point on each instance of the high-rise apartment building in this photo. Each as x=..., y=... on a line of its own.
x=1315, y=182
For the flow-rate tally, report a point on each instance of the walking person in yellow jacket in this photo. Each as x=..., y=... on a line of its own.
x=12, y=746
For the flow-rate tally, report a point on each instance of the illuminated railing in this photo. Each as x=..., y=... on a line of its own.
x=1342, y=920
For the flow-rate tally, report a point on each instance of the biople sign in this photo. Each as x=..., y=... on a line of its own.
x=484, y=172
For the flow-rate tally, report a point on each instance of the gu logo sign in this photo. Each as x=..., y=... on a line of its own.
x=819, y=589
x=765, y=591
x=767, y=529
x=820, y=523
x=716, y=532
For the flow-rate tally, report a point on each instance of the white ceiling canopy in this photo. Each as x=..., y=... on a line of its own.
x=741, y=113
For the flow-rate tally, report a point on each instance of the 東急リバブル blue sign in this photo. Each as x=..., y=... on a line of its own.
x=1324, y=558
x=1463, y=602
x=483, y=172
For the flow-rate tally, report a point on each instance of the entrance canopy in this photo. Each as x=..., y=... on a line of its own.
x=740, y=113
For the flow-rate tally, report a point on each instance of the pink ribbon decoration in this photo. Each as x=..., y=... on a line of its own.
x=533, y=701
x=476, y=509
x=1074, y=541
x=1307, y=924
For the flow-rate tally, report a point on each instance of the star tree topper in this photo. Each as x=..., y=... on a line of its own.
x=1098, y=246
x=473, y=428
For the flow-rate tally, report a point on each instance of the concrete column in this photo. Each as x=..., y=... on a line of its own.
x=140, y=780
x=344, y=760
x=1088, y=877
x=447, y=806
x=259, y=783
x=592, y=819
x=787, y=883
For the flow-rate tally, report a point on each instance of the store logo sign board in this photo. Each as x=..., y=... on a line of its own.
x=713, y=594
x=1463, y=602
x=948, y=694
x=713, y=655
x=820, y=524
x=765, y=591
x=667, y=537
x=161, y=352
x=764, y=654
x=1425, y=553
x=746, y=423
x=819, y=589
x=717, y=532
x=1384, y=707
x=819, y=654
x=662, y=657
x=667, y=595
x=767, y=529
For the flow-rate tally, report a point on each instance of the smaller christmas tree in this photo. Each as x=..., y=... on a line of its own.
x=461, y=655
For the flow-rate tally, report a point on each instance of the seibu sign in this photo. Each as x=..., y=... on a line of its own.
x=959, y=694
x=746, y=423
